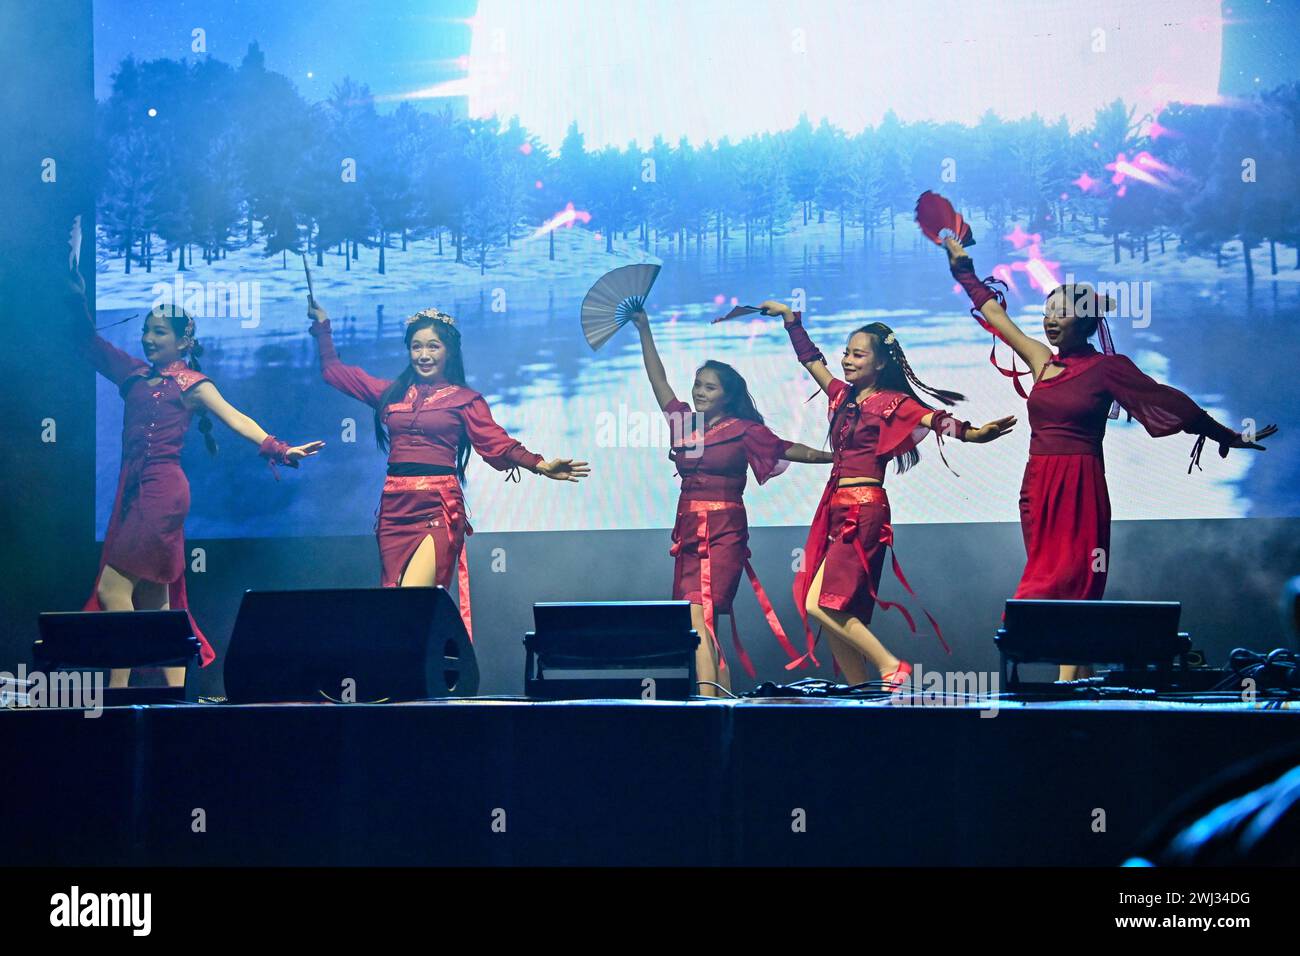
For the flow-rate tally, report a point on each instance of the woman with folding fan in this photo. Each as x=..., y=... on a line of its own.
x=877, y=415
x=427, y=419
x=712, y=446
x=1064, y=501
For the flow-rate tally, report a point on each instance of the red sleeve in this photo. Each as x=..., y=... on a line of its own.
x=681, y=420
x=834, y=388
x=109, y=360
x=900, y=426
x=763, y=451
x=1162, y=409
x=492, y=442
x=348, y=379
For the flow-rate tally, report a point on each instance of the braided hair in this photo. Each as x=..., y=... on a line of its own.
x=453, y=368
x=739, y=402
x=182, y=324
x=896, y=376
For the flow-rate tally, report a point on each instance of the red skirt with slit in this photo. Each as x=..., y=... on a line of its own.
x=1065, y=520
x=146, y=535
x=416, y=507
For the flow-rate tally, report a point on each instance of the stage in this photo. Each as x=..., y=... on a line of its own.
x=498, y=782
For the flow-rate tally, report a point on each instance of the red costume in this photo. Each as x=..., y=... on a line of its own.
x=1064, y=504
x=422, y=495
x=851, y=528
x=146, y=536
x=711, y=533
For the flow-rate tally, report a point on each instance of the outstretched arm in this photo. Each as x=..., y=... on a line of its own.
x=807, y=353
x=808, y=455
x=206, y=395
x=1034, y=353
x=654, y=367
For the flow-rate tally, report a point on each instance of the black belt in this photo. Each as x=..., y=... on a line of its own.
x=413, y=469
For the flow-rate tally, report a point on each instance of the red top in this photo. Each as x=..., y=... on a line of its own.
x=881, y=426
x=1067, y=413
x=712, y=466
x=156, y=417
x=425, y=426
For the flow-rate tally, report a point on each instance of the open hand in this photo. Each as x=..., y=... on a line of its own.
x=992, y=431
x=563, y=469
x=298, y=452
x=1241, y=442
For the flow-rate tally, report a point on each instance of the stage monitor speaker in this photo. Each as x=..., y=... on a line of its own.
x=111, y=639
x=118, y=639
x=1134, y=634
x=351, y=645
x=611, y=649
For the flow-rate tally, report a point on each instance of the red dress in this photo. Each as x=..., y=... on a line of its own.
x=1064, y=503
x=146, y=532
x=851, y=530
x=711, y=533
x=425, y=428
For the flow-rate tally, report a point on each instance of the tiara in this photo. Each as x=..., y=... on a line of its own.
x=434, y=314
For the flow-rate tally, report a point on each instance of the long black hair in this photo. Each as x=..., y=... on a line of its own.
x=453, y=370
x=896, y=376
x=182, y=324
x=740, y=403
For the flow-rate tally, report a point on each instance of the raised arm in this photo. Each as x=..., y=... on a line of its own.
x=110, y=361
x=206, y=395
x=654, y=367
x=1034, y=353
x=348, y=379
x=810, y=357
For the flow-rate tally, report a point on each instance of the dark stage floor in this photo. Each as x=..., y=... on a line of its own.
x=500, y=782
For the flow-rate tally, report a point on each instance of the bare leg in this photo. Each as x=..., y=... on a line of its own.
x=850, y=629
x=422, y=570
x=706, y=655
x=851, y=662
x=116, y=593
x=1075, y=671
x=153, y=596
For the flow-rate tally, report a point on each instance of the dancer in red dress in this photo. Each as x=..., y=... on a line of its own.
x=142, y=566
x=427, y=419
x=875, y=415
x=1064, y=502
x=712, y=447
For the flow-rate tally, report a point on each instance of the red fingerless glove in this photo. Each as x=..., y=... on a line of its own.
x=948, y=425
x=275, y=452
x=804, y=349
x=963, y=270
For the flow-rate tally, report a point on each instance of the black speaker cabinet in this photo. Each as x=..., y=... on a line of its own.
x=354, y=645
